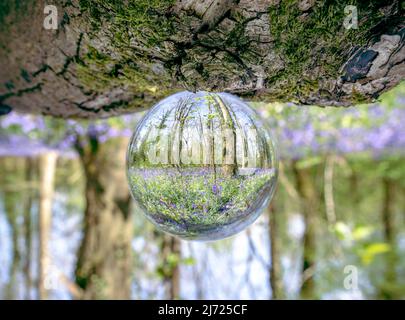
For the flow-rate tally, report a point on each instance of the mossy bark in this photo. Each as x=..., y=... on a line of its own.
x=112, y=57
x=104, y=264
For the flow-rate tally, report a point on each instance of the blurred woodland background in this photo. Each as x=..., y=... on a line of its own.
x=70, y=230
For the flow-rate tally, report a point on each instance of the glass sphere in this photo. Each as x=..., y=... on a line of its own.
x=202, y=165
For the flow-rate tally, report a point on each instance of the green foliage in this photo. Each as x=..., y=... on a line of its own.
x=371, y=250
x=390, y=98
x=361, y=240
x=166, y=268
x=392, y=167
x=309, y=162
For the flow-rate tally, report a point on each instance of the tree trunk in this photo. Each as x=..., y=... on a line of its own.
x=11, y=209
x=29, y=177
x=229, y=161
x=107, y=58
x=355, y=196
x=11, y=199
x=47, y=168
x=387, y=290
x=175, y=278
x=276, y=273
x=328, y=190
x=104, y=264
x=171, y=256
x=11, y=178
x=309, y=206
x=388, y=210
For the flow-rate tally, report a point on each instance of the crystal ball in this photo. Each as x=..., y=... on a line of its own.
x=202, y=166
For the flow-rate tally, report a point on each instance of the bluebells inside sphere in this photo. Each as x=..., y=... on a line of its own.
x=202, y=165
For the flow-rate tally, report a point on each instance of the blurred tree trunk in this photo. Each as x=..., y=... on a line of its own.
x=175, y=277
x=328, y=190
x=11, y=208
x=388, y=210
x=11, y=179
x=29, y=178
x=11, y=200
x=47, y=168
x=388, y=288
x=104, y=264
x=309, y=206
x=276, y=272
x=297, y=51
x=355, y=194
x=170, y=268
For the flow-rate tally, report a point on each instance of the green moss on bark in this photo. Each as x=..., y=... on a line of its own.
x=148, y=20
x=316, y=39
x=98, y=72
x=129, y=27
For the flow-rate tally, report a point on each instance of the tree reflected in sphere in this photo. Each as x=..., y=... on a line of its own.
x=202, y=165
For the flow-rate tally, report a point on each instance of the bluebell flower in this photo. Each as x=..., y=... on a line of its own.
x=216, y=189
